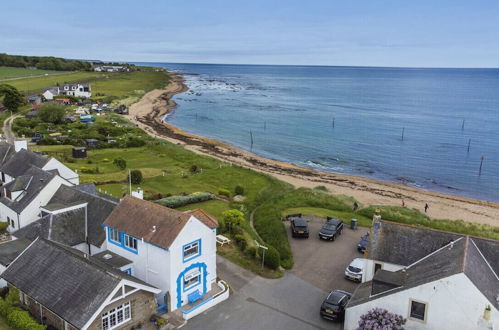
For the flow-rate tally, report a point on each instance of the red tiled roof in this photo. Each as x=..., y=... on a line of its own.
x=204, y=217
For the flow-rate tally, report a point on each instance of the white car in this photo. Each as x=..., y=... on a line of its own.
x=355, y=270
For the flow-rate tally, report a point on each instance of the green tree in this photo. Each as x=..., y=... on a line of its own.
x=12, y=98
x=52, y=113
x=136, y=176
x=120, y=162
x=232, y=218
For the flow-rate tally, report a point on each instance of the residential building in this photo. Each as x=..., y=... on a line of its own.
x=174, y=251
x=51, y=92
x=435, y=279
x=77, y=90
x=73, y=217
x=67, y=289
x=8, y=252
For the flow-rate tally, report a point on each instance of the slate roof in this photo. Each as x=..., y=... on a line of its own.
x=21, y=161
x=64, y=280
x=11, y=249
x=477, y=258
x=37, y=178
x=138, y=217
x=69, y=227
x=6, y=151
x=112, y=259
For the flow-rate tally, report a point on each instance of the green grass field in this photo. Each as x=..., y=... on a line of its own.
x=9, y=72
x=130, y=83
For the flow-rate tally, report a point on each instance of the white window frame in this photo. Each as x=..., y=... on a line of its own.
x=195, y=274
x=425, y=311
x=112, y=233
x=110, y=319
x=130, y=242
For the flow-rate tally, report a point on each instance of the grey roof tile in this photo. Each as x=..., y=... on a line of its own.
x=11, y=249
x=21, y=161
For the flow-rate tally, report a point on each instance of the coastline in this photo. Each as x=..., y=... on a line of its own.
x=148, y=114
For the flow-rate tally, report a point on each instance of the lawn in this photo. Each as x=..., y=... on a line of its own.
x=136, y=82
x=9, y=72
x=4, y=325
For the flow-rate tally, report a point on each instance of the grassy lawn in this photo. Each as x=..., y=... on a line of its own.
x=214, y=207
x=4, y=325
x=9, y=72
x=130, y=83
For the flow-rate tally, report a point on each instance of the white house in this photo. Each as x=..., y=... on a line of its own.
x=23, y=196
x=434, y=279
x=51, y=92
x=78, y=90
x=172, y=250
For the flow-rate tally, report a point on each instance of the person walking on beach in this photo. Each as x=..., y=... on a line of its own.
x=355, y=206
x=426, y=207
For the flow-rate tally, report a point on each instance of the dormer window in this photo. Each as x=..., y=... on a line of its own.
x=130, y=242
x=114, y=235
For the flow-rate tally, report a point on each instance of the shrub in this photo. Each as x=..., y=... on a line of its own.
x=21, y=320
x=224, y=192
x=3, y=225
x=251, y=251
x=321, y=188
x=136, y=177
x=52, y=113
x=194, y=169
x=120, y=163
x=272, y=258
x=241, y=242
x=178, y=201
x=379, y=318
x=239, y=190
x=232, y=219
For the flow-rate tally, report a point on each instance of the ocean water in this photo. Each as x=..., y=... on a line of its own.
x=405, y=125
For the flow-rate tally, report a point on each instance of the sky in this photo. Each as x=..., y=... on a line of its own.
x=417, y=33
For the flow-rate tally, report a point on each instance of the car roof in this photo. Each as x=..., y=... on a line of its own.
x=336, y=296
x=357, y=263
x=334, y=220
x=299, y=221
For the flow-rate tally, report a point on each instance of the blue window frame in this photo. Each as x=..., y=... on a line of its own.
x=191, y=250
x=128, y=271
x=126, y=241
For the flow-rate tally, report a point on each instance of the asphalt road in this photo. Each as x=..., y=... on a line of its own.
x=291, y=302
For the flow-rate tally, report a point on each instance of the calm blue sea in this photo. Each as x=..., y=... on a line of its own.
x=395, y=124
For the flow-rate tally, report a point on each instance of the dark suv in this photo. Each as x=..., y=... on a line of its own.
x=331, y=229
x=333, y=307
x=299, y=227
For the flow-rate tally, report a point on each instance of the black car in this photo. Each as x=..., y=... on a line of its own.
x=299, y=227
x=331, y=229
x=362, y=246
x=333, y=307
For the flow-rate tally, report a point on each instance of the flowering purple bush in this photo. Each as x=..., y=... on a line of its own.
x=381, y=319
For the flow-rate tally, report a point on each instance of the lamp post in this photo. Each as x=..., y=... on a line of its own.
x=264, y=248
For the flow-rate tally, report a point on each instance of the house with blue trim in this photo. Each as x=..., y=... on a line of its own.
x=172, y=250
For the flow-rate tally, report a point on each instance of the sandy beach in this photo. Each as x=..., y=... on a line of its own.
x=148, y=114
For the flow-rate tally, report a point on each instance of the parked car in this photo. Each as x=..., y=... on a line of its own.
x=355, y=270
x=333, y=307
x=362, y=246
x=331, y=229
x=299, y=227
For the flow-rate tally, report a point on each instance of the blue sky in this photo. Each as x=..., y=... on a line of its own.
x=417, y=33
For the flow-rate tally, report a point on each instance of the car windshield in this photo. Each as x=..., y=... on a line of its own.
x=354, y=269
x=334, y=298
x=300, y=228
x=328, y=226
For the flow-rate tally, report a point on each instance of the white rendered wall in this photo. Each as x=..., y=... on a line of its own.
x=63, y=170
x=453, y=303
x=369, y=268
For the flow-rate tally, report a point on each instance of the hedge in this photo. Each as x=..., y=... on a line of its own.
x=178, y=201
x=16, y=317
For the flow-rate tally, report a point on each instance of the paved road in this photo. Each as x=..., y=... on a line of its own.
x=7, y=128
x=291, y=302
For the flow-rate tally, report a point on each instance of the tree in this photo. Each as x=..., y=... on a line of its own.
x=52, y=113
x=135, y=176
x=12, y=98
x=232, y=218
x=120, y=162
x=379, y=318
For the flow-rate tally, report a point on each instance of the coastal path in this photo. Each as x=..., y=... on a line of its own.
x=8, y=134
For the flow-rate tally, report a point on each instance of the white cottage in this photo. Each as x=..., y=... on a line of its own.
x=171, y=250
x=434, y=279
x=78, y=90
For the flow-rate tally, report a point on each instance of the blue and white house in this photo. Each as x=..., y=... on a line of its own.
x=172, y=250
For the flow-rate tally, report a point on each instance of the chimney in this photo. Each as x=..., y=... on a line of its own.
x=20, y=144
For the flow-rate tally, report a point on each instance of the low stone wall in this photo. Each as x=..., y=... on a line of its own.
x=210, y=302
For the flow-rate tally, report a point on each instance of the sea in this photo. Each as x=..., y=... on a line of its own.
x=434, y=129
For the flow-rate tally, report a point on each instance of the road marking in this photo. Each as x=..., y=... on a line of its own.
x=253, y=300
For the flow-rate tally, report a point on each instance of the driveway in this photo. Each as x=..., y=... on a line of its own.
x=291, y=302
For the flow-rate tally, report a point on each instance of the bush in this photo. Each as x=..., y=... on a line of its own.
x=52, y=113
x=272, y=258
x=3, y=225
x=379, y=318
x=241, y=242
x=16, y=317
x=135, y=177
x=251, y=251
x=178, y=201
x=224, y=192
x=321, y=188
x=194, y=169
x=120, y=163
x=239, y=190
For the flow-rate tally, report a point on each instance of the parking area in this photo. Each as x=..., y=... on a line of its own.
x=322, y=263
x=293, y=301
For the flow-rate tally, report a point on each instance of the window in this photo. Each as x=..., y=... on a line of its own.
x=116, y=316
x=417, y=310
x=130, y=242
x=192, y=279
x=191, y=250
x=377, y=266
x=11, y=222
x=114, y=235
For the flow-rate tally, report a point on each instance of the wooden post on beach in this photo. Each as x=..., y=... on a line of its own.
x=403, y=129
x=462, y=126
x=481, y=163
x=333, y=121
x=251, y=136
x=469, y=143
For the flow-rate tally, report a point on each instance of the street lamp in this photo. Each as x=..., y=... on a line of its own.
x=264, y=248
